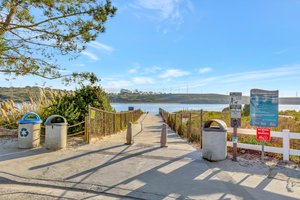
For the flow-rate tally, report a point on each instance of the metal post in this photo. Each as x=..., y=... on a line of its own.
x=234, y=140
x=262, y=150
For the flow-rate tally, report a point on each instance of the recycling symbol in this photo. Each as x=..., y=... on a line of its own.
x=24, y=132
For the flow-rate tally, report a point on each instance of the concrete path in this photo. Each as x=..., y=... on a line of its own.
x=109, y=169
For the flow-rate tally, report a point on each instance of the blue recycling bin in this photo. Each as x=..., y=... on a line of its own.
x=29, y=132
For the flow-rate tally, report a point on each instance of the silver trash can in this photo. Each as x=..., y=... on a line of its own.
x=214, y=143
x=29, y=132
x=56, y=133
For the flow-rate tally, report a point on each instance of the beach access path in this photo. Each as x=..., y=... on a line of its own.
x=109, y=169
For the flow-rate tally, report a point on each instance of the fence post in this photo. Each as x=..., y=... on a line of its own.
x=181, y=128
x=163, y=137
x=104, y=122
x=129, y=137
x=286, y=144
x=88, y=125
x=175, y=123
x=201, y=127
x=114, y=122
x=190, y=125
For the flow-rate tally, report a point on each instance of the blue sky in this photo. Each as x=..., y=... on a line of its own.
x=194, y=46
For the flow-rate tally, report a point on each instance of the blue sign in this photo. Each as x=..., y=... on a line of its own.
x=264, y=108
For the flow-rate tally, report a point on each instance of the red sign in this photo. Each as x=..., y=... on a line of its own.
x=263, y=134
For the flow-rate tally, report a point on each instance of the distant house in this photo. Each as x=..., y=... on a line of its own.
x=125, y=91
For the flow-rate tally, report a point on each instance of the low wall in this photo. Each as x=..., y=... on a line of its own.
x=8, y=132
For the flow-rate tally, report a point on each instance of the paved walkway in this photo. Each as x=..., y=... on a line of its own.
x=111, y=170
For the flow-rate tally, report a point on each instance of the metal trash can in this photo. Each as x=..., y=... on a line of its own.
x=29, y=132
x=56, y=133
x=214, y=143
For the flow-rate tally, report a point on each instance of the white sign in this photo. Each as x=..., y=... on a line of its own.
x=235, y=100
x=236, y=113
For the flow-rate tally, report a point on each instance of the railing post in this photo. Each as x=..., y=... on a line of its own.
x=201, y=127
x=120, y=121
x=129, y=138
x=190, y=125
x=114, y=122
x=163, y=137
x=88, y=125
x=286, y=144
x=175, y=123
x=181, y=128
x=104, y=123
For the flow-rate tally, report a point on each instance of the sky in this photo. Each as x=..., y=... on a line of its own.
x=193, y=46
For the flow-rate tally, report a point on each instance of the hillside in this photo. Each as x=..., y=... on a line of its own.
x=186, y=98
x=170, y=98
x=23, y=94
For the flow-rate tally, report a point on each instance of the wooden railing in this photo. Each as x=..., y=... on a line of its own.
x=286, y=136
x=187, y=124
x=101, y=123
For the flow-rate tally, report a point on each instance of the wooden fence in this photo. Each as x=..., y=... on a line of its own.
x=97, y=124
x=188, y=125
x=101, y=123
x=286, y=136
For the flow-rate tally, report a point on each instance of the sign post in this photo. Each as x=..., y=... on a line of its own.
x=263, y=134
x=263, y=113
x=235, y=107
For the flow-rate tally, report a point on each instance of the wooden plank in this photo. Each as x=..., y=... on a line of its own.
x=294, y=135
x=257, y=147
x=294, y=152
x=253, y=132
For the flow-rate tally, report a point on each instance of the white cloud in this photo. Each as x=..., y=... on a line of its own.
x=174, y=73
x=153, y=69
x=101, y=46
x=205, y=70
x=90, y=55
x=116, y=83
x=79, y=65
x=165, y=11
x=134, y=69
x=244, y=77
x=63, y=71
x=142, y=80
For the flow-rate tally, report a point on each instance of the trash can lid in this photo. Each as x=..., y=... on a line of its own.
x=49, y=122
x=26, y=120
x=220, y=128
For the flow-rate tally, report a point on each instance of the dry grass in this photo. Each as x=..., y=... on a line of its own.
x=11, y=113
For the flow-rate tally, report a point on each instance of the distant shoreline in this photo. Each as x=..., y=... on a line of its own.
x=181, y=103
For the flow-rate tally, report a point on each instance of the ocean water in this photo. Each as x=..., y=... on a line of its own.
x=153, y=108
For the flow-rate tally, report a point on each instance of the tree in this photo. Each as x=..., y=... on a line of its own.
x=33, y=32
x=246, y=110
